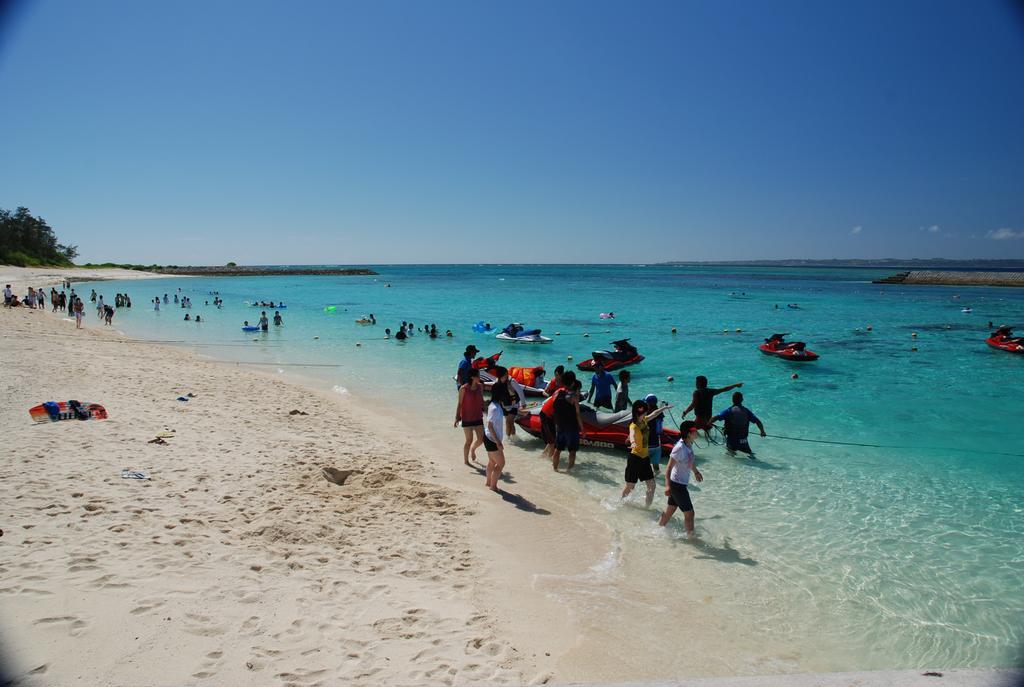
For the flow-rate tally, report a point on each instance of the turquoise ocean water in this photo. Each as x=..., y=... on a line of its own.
x=907, y=555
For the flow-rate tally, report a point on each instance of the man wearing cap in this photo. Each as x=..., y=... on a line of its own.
x=465, y=365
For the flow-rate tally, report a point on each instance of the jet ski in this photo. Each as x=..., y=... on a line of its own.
x=1004, y=340
x=796, y=351
x=603, y=430
x=517, y=333
x=624, y=354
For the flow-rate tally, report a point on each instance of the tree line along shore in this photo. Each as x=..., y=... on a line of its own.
x=29, y=241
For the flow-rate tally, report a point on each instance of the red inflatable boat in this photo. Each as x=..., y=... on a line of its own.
x=624, y=354
x=1004, y=340
x=604, y=430
x=796, y=351
x=526, y=376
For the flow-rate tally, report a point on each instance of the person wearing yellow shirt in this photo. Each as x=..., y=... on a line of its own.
x=638, y=463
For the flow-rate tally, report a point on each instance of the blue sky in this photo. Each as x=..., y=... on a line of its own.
x=313, y=132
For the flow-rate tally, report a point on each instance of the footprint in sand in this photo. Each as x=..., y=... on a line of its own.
x=202, y=625
x=146, y=605
x=72, y=624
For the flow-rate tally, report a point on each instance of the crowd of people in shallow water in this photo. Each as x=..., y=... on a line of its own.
x=489, y=423
x=407, y=330
x=66, y=300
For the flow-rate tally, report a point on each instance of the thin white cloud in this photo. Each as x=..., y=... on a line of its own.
x=1004, y=234
x=856, y=230
x=934, y=229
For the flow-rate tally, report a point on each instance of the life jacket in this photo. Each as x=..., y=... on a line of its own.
x=524, y=375
x=487, y=363
x=548, y=407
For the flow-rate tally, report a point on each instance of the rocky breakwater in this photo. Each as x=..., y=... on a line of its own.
x=948, y=278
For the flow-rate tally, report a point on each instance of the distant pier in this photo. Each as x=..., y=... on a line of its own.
x=240, y=271
x=944, y=278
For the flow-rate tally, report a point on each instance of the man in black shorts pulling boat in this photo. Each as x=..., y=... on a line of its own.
x=703, y=397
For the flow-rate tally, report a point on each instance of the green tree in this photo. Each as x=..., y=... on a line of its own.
x=27, y=240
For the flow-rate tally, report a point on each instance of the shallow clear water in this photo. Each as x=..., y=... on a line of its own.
x=906, y=555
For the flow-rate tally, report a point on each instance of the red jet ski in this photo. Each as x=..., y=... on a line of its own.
x=604, y=430
x=1004, y=340
x=793, y=350
x=624, y=354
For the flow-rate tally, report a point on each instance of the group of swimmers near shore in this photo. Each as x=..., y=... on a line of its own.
x=408, y=329
x=562, y=427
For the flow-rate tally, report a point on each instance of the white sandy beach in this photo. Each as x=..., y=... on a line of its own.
x=20, y=278
x=238, y=563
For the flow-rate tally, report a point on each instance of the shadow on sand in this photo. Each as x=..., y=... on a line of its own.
x=723, y=554
x=522, y=503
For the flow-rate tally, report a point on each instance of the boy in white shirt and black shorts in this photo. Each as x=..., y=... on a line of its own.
x=677, y=477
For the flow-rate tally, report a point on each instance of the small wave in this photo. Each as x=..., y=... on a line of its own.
x=338, y=389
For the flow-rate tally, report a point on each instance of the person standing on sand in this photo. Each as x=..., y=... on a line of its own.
x=493, y=425
x=568, y=424
x=677, y=477
x=638, y=463
x=516, y=398
x=8, y=296
x=547, y=417
x=702, y=401
x=465, y=365
x=79, y=309
x=470, y=412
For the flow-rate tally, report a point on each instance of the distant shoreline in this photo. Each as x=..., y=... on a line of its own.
x=246, y=271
